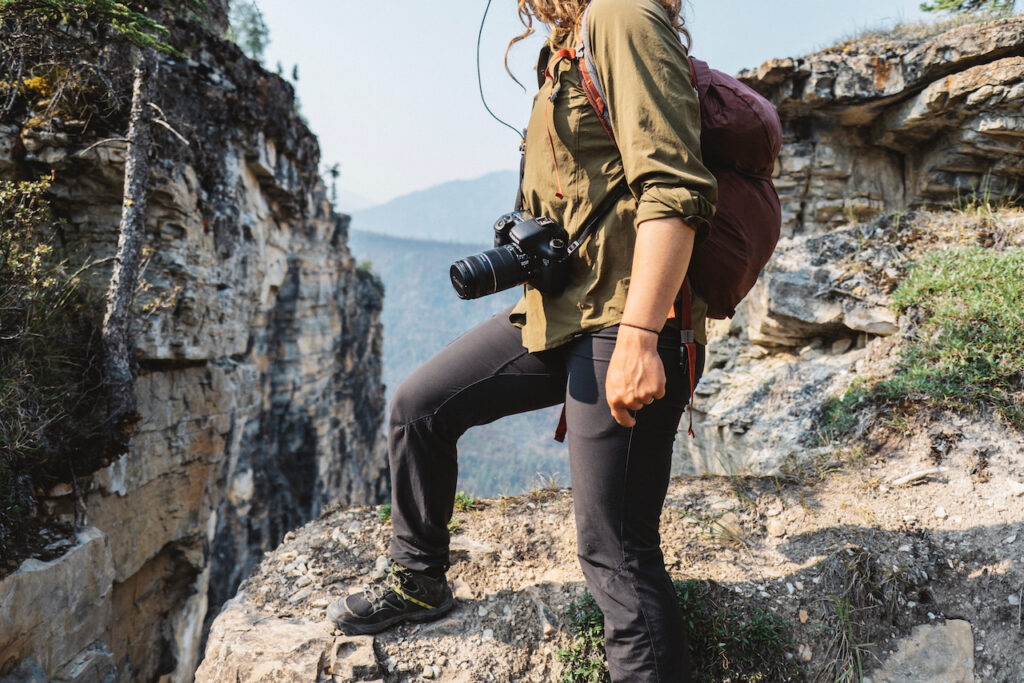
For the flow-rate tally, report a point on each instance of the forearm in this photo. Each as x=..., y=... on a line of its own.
x=660, y=258
x=636, y=376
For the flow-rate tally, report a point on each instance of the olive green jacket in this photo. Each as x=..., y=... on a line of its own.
x=645, y=75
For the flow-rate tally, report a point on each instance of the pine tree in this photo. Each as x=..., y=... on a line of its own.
x=247, y=29
x=125, y=276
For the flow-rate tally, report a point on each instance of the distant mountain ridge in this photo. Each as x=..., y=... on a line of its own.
x=455, y=211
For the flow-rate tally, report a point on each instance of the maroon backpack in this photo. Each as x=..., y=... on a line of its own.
x=740, y=138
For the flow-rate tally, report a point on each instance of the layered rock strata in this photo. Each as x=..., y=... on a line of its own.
x=258, y=346
x=897, y=122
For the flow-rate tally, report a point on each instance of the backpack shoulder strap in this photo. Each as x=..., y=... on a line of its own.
x=589, y=78
x=591, y=82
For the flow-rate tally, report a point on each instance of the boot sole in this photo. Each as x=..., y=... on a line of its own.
x=421, y=616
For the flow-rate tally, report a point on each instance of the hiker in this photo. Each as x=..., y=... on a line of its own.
x=608, y=345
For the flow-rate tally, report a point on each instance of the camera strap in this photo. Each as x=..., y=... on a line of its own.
x=597, y=214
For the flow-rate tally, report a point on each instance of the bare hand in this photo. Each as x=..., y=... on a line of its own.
x=636, y=375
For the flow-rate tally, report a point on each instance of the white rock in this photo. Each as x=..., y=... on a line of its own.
x=288, y=650
x=380, y=567
x=940, y=512
x=59, y=490
x=461, y=590
x=875, y=320
x=471, y=545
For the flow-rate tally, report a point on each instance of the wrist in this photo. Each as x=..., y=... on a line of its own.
x=637, y=337
x=637, y=326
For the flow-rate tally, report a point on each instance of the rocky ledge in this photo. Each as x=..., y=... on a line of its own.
x=945, y=539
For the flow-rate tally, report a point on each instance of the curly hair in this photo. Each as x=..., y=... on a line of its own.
x=563, y=16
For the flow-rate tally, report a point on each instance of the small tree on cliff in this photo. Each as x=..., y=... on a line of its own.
x=963, y=6
x=147, y=37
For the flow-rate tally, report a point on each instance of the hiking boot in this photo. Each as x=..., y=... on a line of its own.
x=402, y=595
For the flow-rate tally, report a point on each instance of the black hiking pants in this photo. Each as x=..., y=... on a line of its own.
x=619, y=475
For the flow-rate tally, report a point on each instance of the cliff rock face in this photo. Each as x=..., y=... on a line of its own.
x=898, y=122
x=258, y=348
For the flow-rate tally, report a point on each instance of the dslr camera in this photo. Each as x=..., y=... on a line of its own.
x=527, y=249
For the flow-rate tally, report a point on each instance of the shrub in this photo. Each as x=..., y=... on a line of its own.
x=991, y=6
x=51, y=391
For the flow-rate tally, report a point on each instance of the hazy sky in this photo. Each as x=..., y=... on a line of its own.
x=390, y=86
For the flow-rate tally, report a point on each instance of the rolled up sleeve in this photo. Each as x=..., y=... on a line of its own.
x=645, y=75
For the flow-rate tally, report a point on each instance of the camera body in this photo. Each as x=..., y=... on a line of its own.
x=527, y=249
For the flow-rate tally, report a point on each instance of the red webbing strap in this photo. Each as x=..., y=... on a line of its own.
x=595, y=99
x=562, y=427
x=687, y=344
x=557, y=57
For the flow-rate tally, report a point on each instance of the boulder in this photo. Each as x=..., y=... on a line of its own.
x=246, y=646
x=51, y=612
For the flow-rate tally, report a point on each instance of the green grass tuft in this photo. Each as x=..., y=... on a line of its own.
x=464, y=502
x=723, y=642
x=968, y=350
x=839, y=415
x=385, y=513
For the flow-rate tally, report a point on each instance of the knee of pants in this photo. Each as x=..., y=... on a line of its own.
x=412, y=401
x=616, y=554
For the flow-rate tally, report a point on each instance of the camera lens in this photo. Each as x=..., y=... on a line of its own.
x=489, y=271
